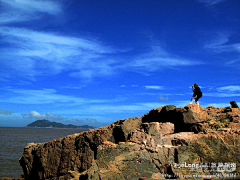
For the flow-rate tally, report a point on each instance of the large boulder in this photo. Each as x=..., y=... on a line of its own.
x=55, y=159
x=182, y=118
x=234, y=104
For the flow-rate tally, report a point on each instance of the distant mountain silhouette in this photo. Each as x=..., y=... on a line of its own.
x=48, y=124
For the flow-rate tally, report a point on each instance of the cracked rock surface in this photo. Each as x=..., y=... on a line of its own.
x=147, y=147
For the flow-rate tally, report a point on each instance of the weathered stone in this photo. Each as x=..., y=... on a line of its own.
x=156, y=128
x=194, y=114
x=182, y=118
x=148, y=147
x=234, y=104
x=122, y=128
x=212, y=148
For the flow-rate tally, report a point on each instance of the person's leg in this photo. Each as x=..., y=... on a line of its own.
x=193, y=99
x=196, y=100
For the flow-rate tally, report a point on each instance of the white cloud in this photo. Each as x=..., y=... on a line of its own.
x=157, y=59
x=217, y=40
x=154, y=87
x=48, y=53
x=41, y=53
x=45, y=96
x=8, y=112
x=233, y=63
x=151, y=64
x=227, y=48
x=218, y=105
x=234, y=88
x=49, y=114
x=92, y=121
x=31, y=37
x=48, y=96
x=211, y=2
x=25, y=10
x=47, y=6
x=35, y=115
x=74, y=87
x=75, y=120
x=218, y=94
x=223, y=91
x=45, y=53
x=126, y=108
x=182, y=103
x=162, y=98
x=220, y=43
x=35, y=41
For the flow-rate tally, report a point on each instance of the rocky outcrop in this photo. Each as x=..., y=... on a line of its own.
x=164, y=143
x=234, y=104
x=183, y=118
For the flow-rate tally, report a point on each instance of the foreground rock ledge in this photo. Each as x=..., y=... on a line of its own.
x=147, y=147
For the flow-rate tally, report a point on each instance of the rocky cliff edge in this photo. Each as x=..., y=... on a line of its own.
x=168, y=142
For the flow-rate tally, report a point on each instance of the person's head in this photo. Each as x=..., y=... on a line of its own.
x=195, y=85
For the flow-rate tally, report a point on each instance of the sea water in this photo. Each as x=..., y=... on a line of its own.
x=13, y=141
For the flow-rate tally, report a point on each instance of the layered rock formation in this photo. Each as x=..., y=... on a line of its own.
x=168, y=142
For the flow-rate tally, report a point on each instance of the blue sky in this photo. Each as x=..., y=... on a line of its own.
x=94, y=62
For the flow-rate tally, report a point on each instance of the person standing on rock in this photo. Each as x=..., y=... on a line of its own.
x=197, y=93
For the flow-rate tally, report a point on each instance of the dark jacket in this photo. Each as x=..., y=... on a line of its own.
x=197, y=92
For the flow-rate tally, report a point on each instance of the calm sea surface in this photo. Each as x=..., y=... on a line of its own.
x=13, y=141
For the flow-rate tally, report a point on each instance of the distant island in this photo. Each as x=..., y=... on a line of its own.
x=48, y=124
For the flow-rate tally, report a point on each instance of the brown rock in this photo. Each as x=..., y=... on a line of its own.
x=148, y=147
x=182, y=118
x=234, y=104
x=155, y=128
